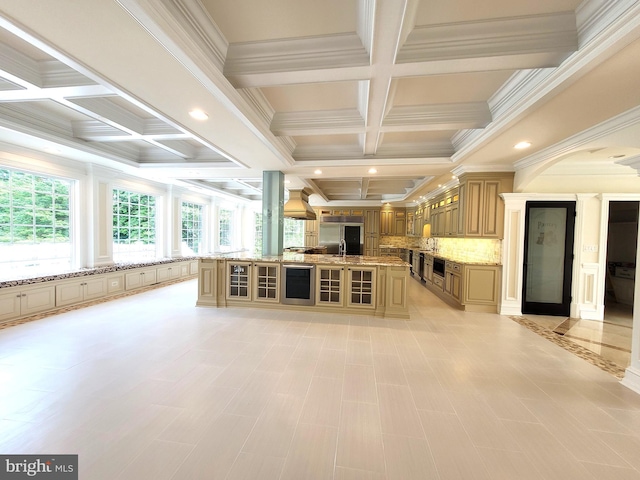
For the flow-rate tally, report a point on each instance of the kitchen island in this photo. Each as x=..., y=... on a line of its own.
x=351, y=284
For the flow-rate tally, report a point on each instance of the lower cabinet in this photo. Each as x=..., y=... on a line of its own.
x=266, y=282
x=24, y=300
x=481, y=285
x=140, y=278
x=361, y=287
x=19, y=302
x=453, y=280
x=79, y=291
x=239, y=280
x=453, y=285
x=329, y=284
x=167, y=273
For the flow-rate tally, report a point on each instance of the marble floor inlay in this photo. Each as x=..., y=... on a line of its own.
x=565, y=342
x=151, y=387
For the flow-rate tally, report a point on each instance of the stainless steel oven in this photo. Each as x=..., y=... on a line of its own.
x=438, y=266
x=298, y=284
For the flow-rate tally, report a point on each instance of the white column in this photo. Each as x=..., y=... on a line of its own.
x=512, y=253
x=100, y=214
x=173, y=220
x=632, y=373
x=215, y=226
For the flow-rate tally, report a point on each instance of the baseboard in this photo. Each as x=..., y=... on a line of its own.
x=631, y=379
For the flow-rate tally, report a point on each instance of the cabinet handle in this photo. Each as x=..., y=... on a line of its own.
x=18, y=295
x=24, y=295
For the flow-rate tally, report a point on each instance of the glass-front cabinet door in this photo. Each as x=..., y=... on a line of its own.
x=329, y=286
x=361, y=287
x=267, y=282
x=238, y=278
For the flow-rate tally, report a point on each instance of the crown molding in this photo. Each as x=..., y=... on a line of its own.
x=551, y=33
x=258, y=102
x=538, y=84
x=462, y=169
x=187, y=22
x=20, y=68
x=575, y=142
x=592, y=16
x=366, y=16
x=309, y=53
x=633, y=162
x=322, y=122
x=57, y=74
x=326, y=152
x=451, y=116
x=416, y=149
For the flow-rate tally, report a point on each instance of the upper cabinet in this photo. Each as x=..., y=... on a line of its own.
x=482, y=208
x=473, y=209
x=393, y=221
x=311, y=232
x=371, y=232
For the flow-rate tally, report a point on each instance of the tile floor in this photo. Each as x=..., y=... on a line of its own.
x=152, y=387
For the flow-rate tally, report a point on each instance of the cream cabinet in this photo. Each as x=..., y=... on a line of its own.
x=372, y=245
x=444, y=214
x=81, y=290
x=411, y=222
x=387, y=222
x=26, y=300
x=311, y=231
x=140, y=278
x=168, y=273
x=400, y=220
x=211, y=282
x=371, y=232
x=266, y=285
x=393, y=221
x=238, y=280
x=481, y=285
x=361, y=285
x=330, y=285
x=482, y=211
x=453, y=280
x=395, y=290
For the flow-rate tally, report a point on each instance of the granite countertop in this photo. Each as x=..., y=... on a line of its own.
x=312, y=258
x=83, y=272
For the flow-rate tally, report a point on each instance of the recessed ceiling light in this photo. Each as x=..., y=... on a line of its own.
x=198, y=114
x=287, y=181
x=453, y=176
x=522, y=145
x=318, y=172
x=373, y=170
x=439, y=185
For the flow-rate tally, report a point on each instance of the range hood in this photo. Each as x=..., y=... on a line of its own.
x=298, y=205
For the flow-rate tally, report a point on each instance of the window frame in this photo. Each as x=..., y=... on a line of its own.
x=142, y=254
x=50, y=264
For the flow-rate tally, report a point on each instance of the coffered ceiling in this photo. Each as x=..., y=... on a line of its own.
x=420, y=90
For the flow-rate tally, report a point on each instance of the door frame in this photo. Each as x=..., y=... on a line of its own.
x=564, y=308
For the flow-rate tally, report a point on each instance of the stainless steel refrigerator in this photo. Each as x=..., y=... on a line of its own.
x=352, y=233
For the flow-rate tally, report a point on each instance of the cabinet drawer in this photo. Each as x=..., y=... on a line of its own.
x=438, y=282
x=453, y=267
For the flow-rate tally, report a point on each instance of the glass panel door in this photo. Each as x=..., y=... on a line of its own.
x=548, y=254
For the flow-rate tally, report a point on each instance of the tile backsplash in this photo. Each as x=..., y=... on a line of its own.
x=466, y=249
x=462, y=249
